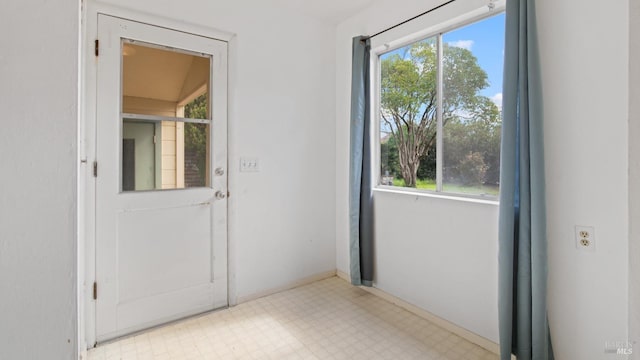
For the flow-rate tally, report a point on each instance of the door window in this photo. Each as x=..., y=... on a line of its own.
x=166, y=118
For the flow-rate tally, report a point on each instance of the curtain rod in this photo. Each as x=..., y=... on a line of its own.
x=406, y=21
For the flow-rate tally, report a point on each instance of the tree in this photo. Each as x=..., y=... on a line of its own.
x=389, y=156
x=391, y=166
x=195, y=135
x=472, y=169
x=408, y=98
x=473, y=133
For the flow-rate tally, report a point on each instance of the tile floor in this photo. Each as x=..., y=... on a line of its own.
x=329, y=319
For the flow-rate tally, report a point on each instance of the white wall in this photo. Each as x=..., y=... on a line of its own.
x=281, y=111
x=439, y=254
x=634, y=174
x=584, y=64
x=584, y=51
x=38, y=97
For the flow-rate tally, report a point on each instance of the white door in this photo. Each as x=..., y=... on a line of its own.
x=161, y=151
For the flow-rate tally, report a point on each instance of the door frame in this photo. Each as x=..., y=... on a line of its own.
x=86, y=229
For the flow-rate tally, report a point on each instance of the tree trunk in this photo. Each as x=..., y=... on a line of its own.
x=410, y=172
x=409, y=163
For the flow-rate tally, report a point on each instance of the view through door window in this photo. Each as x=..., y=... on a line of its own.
x=165, y=118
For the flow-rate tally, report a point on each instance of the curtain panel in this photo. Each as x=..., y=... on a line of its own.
x=360, y=171
x=523, y=324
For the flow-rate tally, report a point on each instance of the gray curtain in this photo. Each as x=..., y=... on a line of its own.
x=360, y=171
x=524, y=328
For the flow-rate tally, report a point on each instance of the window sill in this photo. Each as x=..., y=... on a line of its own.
x=434, y=195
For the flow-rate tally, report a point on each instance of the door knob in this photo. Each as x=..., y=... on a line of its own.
x=220, y=195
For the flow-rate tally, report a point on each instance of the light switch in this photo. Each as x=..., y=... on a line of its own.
x=249, y=164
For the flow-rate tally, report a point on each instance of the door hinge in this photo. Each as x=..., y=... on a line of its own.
x=97, y=47
x=95, y=291
x=95, y=169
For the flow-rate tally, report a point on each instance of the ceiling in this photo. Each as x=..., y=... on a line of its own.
x=333, y=11
x=161, y=74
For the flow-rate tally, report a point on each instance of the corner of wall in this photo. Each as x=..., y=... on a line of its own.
x=634, y=175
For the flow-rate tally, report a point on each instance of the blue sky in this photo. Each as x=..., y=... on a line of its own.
x=485, y=39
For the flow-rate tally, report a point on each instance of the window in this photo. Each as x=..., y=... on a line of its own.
x=440, y=111
x=165, y=118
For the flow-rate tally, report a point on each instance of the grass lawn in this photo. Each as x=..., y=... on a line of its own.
x=428, y=184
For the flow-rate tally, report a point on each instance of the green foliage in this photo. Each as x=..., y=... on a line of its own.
x=389, y=157
x=426, y=184
x=463, y=78
x=478, y=132
x=195, y=135
x=472, y=169
x=427, y=167
x=197, y=108
x=429, y=184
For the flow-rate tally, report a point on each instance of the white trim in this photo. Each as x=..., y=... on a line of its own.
x=81, y=213
x=374, y=109
x=445, y=324
x=445, y=194
x=86, y=152
x=157, y=118
x=439, y=103
x=232, y=61
x=99, y=7
x=433, y=195
x=290, y=285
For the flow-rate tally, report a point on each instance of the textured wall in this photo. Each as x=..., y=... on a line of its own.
x=634, y=176
x=38, y=97
x=585, y=95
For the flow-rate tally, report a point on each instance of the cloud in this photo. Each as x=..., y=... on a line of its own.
x=497, y=99
x=465, y=44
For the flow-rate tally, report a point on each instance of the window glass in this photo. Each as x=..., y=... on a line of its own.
x=462, y=70
x=472, y=99
x=408, y=115
x=152, y=164
x=165, y=118
x=155, y=81
x=196, y=143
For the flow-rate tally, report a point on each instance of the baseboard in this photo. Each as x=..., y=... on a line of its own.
x=462, y=332
x=291, y=285
x=344, y=276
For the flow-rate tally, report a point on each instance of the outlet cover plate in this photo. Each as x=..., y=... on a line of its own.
x=585, y=237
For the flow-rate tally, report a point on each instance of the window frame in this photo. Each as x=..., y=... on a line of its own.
x=380, y=48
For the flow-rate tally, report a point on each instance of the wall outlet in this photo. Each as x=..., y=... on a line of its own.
x=249, y=164
x=585, y=238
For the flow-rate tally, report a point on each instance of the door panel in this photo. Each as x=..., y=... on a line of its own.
x=160, y=254
x=184, y=246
